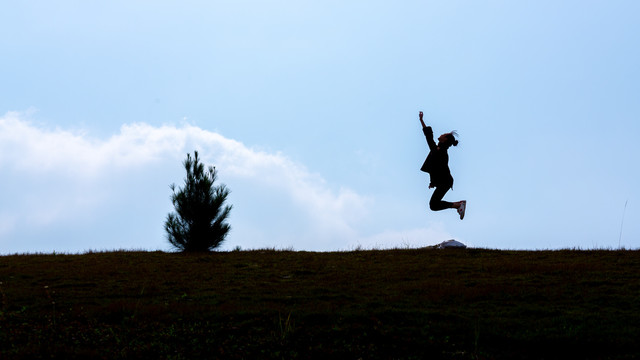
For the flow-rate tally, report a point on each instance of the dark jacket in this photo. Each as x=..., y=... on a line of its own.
x=437, y=162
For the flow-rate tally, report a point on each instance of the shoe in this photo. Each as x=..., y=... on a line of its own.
x=462, y=208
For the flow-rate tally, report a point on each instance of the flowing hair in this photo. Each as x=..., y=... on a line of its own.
x=451, y=138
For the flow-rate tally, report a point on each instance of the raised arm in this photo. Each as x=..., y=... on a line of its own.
x=428, y=133
x=422, y=121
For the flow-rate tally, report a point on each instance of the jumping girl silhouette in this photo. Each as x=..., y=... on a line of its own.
x=437, y=165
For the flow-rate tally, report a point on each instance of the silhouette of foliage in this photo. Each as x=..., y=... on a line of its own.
x=199, y=221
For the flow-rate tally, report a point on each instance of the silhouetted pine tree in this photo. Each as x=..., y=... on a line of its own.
x=198, y=223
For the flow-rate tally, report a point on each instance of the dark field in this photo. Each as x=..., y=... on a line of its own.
x=404, y=304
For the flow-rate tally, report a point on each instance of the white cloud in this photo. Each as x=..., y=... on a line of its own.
x=86, y=164
x=30, y=148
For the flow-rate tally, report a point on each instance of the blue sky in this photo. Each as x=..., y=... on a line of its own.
x=308, y=109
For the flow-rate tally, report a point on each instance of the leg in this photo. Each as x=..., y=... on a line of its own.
x=436, y=203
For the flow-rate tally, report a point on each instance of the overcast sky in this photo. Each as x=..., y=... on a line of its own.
x=308, y=109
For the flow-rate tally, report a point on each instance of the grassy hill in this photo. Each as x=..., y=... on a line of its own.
x=419, y=303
